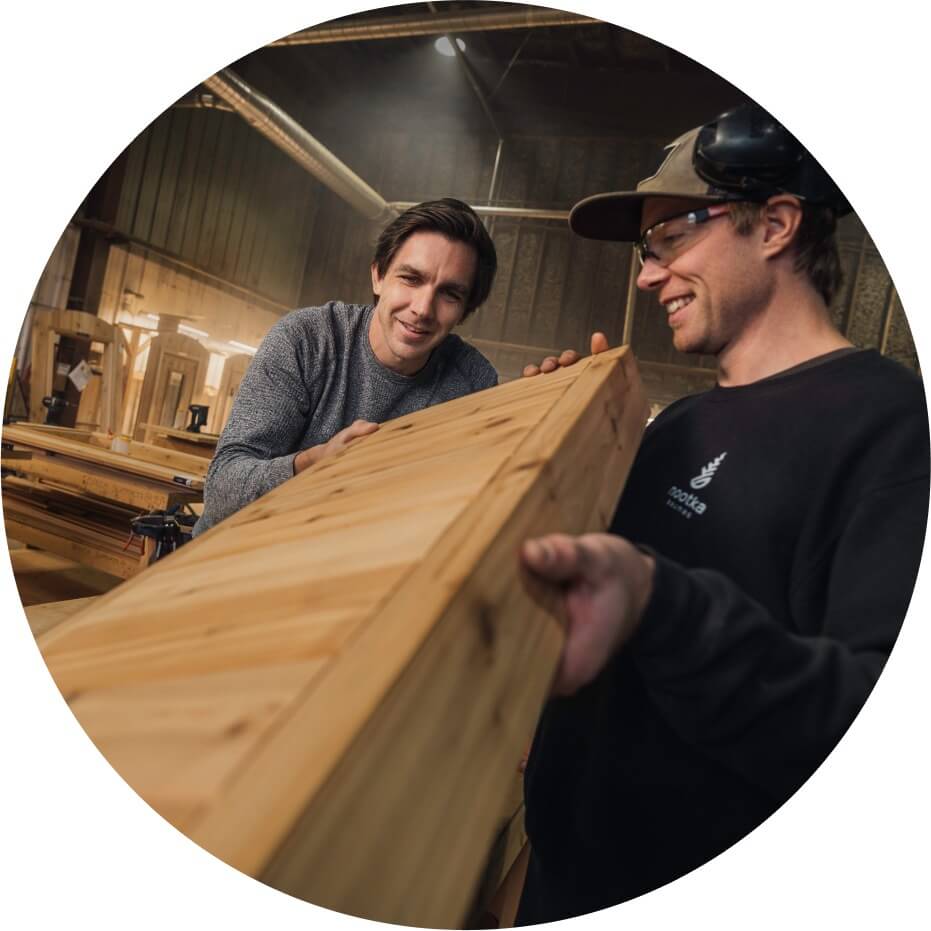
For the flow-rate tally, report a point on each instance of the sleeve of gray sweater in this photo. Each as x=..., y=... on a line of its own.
x=313, y=375
x=269, y=418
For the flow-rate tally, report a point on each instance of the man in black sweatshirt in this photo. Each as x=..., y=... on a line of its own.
x=727, y=631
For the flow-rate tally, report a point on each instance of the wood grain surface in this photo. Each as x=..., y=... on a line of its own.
x=26, y=436
x=331, y=690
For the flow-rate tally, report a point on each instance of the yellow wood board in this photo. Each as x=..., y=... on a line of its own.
x=25, y=436
x=146, y=452
x=204, y=451
x=43, y=617
x=107, y=484
x=331, y=690
x=189, y=436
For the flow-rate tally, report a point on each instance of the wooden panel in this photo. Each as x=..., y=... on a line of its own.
x=43, y=356
x=234, y=368
x=48, y=326
x=331, y=689
x=43, y=617
x=102, y=483
x=26, y=437
x=173, y=459
x=163, y=348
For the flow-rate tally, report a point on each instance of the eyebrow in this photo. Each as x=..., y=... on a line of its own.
x=449, y=285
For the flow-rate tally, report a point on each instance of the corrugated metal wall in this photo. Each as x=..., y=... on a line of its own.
x=204, y=186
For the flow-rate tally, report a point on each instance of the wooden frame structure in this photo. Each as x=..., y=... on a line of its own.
x=48, y=327
x=233, y=370
x=331, y=689
x=170, y=354
x=203, y=445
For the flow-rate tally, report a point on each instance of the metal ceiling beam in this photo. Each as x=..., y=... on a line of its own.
x=433, y=25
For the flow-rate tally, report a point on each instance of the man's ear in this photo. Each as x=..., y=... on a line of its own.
x=782, y=216
x=376, y=280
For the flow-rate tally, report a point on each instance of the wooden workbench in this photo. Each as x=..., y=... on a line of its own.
x=67, y=492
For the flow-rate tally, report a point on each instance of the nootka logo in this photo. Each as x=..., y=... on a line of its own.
x=688, y=504
x=685, y=500
x=707, y=473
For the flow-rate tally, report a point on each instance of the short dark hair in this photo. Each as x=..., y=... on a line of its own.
x=453, y=219
x=816, y=252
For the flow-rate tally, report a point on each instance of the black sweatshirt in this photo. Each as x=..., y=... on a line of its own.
x=788, y=517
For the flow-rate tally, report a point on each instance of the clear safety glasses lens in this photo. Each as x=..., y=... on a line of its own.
x=666, y=241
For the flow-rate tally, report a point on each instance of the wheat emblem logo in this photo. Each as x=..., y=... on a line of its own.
x=707, y=473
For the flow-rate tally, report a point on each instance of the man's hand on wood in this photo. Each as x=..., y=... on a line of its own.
x=313, y=454
x=599, y=343
x=605, y=583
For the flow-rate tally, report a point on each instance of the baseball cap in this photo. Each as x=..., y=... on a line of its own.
x=616, y=215
x=744, y=154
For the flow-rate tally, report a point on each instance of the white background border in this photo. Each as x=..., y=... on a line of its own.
x=79, y=849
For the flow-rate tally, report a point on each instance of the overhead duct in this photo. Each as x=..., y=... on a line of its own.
x=285, y=132
x=432, y=25
x=514, y=213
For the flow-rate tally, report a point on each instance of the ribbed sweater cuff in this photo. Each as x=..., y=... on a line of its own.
x=675, y=597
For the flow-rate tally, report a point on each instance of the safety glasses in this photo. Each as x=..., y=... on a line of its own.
x=664, y=242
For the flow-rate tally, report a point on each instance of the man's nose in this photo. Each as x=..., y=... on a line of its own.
x=652, y=275
x=423, y=302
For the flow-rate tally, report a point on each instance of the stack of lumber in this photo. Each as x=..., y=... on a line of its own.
x=65, y=493
x=332, y=689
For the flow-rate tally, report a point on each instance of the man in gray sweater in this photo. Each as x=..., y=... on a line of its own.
x=325, y=376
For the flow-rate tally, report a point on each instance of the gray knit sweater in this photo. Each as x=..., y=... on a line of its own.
x=314, y=374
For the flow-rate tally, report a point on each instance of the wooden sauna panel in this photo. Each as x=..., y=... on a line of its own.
x=331, y=689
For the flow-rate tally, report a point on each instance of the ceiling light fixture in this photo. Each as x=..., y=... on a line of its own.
x=445, y=47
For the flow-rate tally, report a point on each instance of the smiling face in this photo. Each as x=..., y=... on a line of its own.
x=714, y=290
x=421, y=297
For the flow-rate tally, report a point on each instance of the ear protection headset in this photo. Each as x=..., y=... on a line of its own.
x=747, y=153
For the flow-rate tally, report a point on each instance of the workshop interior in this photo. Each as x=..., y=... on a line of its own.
x=260, y=191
